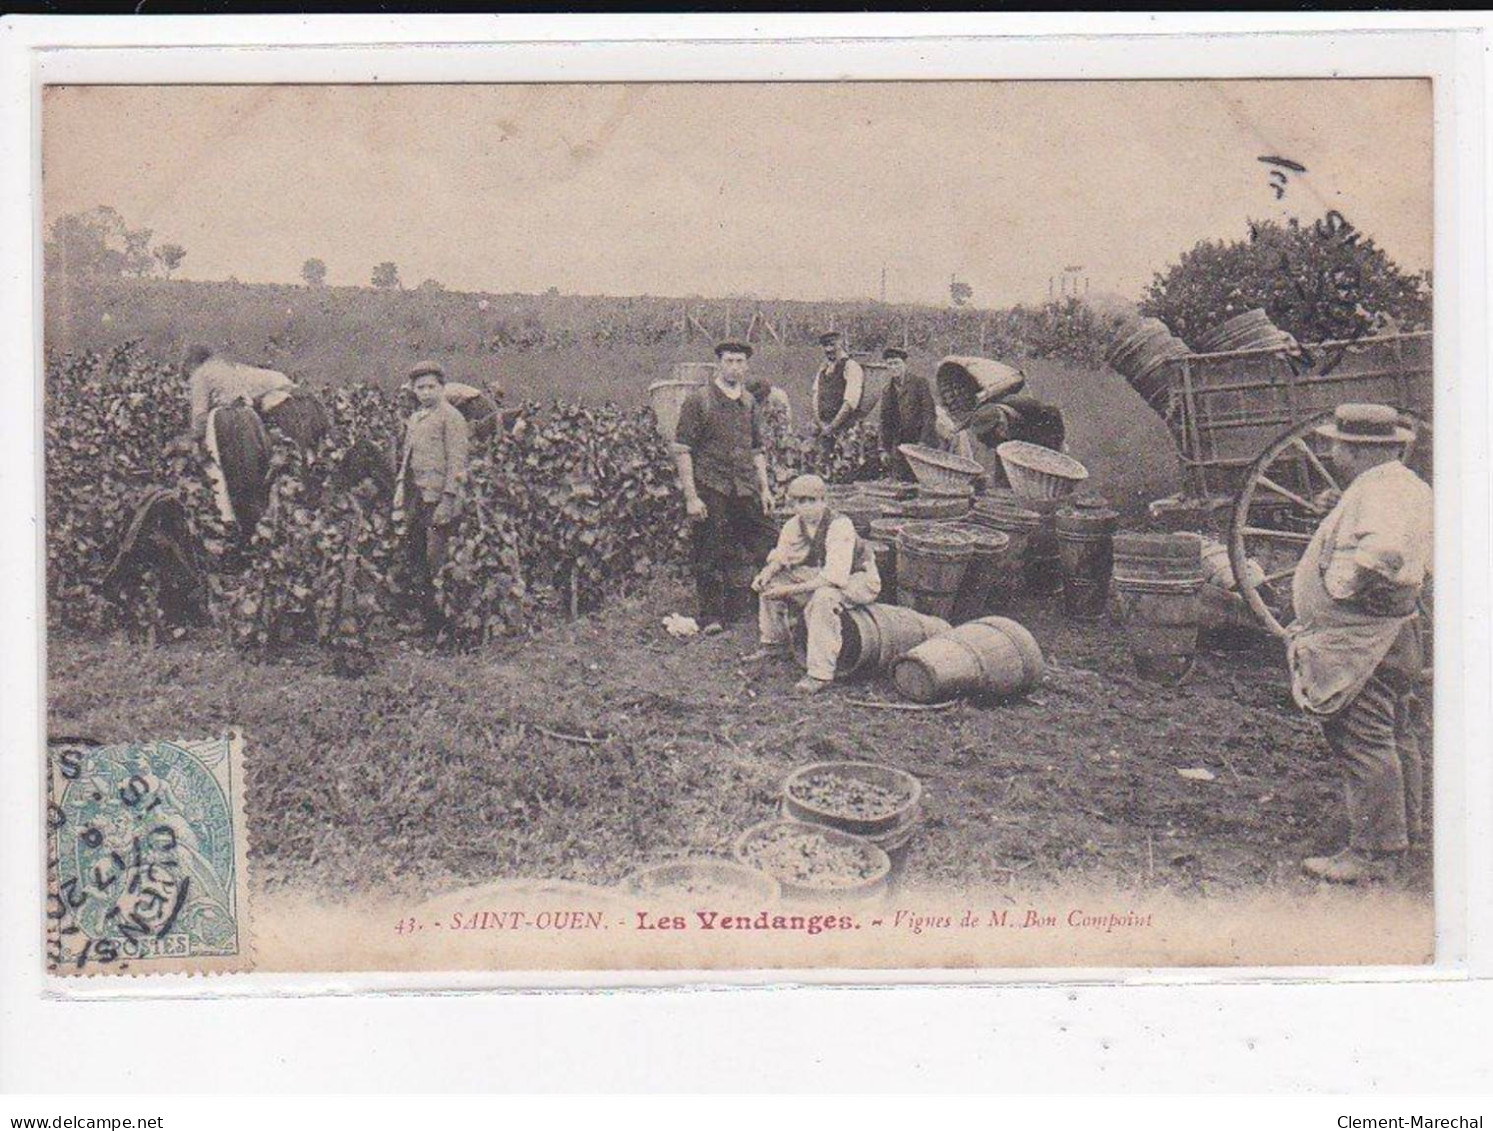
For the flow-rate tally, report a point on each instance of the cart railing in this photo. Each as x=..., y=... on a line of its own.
x=1227, y=408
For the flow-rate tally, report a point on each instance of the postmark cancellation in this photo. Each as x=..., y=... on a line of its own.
x=147, y=862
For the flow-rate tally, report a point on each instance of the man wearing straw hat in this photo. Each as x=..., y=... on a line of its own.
x=1355, y=649
x=723, y=475
x=820, y=565
x=907, y=413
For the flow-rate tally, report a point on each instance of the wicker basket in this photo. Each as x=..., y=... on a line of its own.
x=946, y=508
x=1040, y=473
x=946, y=491
x=940, y=469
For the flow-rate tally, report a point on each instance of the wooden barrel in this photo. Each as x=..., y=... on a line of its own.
x=1085, y=533
x=992, y=656
x=889, y=489
x=985, y=581
x=1251, y=330
x=1140, y=353
x=1158, y=557
x=873, y=637
x=1161, y=621
x=931, y=562
x=1155, y=595
x=792, y=865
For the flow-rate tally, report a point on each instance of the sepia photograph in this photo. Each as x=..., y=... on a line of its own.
x=732, y=526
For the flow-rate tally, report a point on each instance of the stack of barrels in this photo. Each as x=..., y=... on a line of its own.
x=1140, y=354
x=1085, y=531
x=1251, y=330
x=1158, y=579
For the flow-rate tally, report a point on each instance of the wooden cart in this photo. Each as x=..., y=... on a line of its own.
x=1245, y=425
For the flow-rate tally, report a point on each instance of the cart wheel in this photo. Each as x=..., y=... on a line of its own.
x=1289, y=490
x=1276, y=515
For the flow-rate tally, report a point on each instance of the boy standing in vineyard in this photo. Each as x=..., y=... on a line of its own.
x=723, y=475
x=432, y=474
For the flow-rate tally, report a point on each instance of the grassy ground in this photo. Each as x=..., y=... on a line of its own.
x=436, y=771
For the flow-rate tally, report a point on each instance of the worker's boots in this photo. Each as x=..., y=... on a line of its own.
x=1354, y=866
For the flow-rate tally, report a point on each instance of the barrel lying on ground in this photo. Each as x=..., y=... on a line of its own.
x=991, y=657
x=873, y=637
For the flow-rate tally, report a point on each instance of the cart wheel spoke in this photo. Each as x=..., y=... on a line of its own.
x=1316, y=462
x=1278, y=576
x=1264, y=552
x=1292, y=536
x=1305, y=504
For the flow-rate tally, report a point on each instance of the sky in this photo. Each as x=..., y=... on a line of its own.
x=786, y=190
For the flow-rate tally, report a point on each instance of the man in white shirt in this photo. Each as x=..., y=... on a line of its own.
x=819, y=565
x=838, y=388
x=1355, y=651
x=215, y=382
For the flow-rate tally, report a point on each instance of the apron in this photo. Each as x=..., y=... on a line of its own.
x=1333, y=647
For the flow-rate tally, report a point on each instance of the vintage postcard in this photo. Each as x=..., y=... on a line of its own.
x=843, y=526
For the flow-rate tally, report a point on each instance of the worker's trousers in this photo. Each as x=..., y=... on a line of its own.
x=821, y=614
x=1374, y=738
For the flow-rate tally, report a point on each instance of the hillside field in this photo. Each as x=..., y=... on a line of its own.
x=579, y=348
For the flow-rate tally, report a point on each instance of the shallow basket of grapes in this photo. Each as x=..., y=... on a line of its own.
x=855, y=797
x=815, y=862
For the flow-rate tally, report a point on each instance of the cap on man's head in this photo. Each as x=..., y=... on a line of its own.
x=893, y=352
x=807, y=487
x=742, y=348
x=427, y=369
x=195, y=356
x=1366, y=424
x=830, y=337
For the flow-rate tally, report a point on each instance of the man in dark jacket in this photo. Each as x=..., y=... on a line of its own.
x=907, y=413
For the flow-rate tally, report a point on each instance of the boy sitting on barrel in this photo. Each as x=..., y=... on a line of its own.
x=819, y=565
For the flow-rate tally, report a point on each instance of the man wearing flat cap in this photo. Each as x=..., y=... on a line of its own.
x=819, y=565
x=1355, y=650
x=907, y=413
x=838, y=388
x=718, y=447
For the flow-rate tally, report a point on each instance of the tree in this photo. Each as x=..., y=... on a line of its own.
x=314, y=271
x=170, y=255
x=386, y=275
x=1324, y=281
x=431, y=286
x=960, y=293
x=138, y=260
x=88, y=243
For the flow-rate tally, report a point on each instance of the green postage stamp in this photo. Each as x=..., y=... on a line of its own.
x=147, y=863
